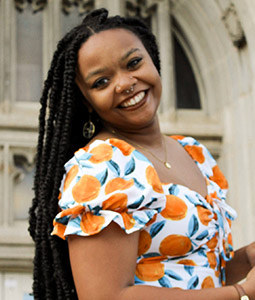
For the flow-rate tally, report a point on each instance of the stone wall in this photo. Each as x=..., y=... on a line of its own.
x=218, y=38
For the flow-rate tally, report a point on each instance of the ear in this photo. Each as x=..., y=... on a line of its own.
x=80, y=83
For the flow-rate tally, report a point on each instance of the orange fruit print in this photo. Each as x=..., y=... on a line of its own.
x=176, y=208
x=175, y=245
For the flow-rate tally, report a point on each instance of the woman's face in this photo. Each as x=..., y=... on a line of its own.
x=109, y=63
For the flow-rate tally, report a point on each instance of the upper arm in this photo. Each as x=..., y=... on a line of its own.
x=105, y=200
x=103, y=264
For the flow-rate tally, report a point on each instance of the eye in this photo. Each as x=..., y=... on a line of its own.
x=134, y=63
x=100, y=83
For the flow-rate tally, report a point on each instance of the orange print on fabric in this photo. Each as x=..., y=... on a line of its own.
x=118, y=184
x=223, y=262
x=117, y=202
x=209, y=198
x=207, y=283
x=76, y=210
x=128, y=220
x=219, y=178
x=100, y=153
x=217, y=273
x=186, y=262
x=212, y=243
x=59, y=229
x=153, y=179
x=196, y=153
x=70, y=176
x=86, y=148
x=204, y=214
x=144, y=242
x=230, y=242
x=153, y=259
x=124, y=147
x=177, y=137
x=176, y=208
x=150, y=272
x=175, y=245
x=212, y=259
x=91, y=224
x=86, y=189
x=152, y=220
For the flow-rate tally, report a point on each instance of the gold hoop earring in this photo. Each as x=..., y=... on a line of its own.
x=88, y=129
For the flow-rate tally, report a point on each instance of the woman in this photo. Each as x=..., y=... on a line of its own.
x=138, y=214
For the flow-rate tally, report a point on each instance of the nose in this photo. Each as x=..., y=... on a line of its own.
x=125, y=84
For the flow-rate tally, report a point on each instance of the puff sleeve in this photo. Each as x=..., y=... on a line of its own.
x=104, y=182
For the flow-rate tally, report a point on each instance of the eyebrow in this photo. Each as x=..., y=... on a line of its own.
x=98, y=71
x=94, y=73
x=129, y=53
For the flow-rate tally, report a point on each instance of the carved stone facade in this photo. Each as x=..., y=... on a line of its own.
x=218, y=39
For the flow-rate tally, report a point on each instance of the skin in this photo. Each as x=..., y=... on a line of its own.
x=103, y=77
x=113, y=67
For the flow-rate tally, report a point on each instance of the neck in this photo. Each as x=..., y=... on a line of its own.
x=148, y=136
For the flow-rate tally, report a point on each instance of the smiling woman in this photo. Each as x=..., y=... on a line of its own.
x=121, y=84
x=136, y=214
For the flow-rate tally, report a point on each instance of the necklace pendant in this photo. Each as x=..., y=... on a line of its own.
x=167, y=165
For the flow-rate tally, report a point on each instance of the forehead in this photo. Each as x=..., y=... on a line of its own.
x=107, y=45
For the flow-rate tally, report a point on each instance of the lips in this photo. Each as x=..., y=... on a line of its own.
x=134, y=100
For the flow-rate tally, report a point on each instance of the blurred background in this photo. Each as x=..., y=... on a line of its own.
x=208, y=73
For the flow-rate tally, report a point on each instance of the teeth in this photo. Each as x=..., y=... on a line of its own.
x=134, y=100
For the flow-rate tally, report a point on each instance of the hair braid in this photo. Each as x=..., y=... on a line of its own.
x=43, y=101
x=59, y=136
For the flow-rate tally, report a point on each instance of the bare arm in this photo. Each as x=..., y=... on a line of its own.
x=243, y=261
x=103, y=267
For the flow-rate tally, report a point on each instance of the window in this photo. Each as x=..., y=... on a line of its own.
x=28, y=55
x=187, y=94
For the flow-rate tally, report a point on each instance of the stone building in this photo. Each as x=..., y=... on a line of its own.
x=208, y=73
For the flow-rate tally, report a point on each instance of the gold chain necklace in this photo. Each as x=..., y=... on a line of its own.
x=164, y=162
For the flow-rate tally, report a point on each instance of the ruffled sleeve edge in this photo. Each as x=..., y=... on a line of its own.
x=88, y=224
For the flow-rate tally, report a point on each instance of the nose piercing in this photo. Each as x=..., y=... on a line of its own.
x=131, y=89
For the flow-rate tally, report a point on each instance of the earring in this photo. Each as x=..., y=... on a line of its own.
x=88, y=129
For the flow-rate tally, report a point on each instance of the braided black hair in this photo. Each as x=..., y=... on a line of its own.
x=61, y=118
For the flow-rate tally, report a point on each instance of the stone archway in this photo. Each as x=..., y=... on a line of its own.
x=226, y=74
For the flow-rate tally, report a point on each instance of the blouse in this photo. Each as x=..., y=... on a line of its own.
x=185, y=238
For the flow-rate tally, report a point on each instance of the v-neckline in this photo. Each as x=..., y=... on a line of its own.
x=172, y=183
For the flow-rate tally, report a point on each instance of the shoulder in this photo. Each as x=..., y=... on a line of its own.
x=107, y=181
x=202, y=156
x=196, y=150
x=109, y=152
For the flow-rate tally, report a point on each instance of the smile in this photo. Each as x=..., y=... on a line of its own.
x=135, y=100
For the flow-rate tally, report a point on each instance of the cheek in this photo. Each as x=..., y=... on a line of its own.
x=158, y=84
x=154, y=77
x=100, y=101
